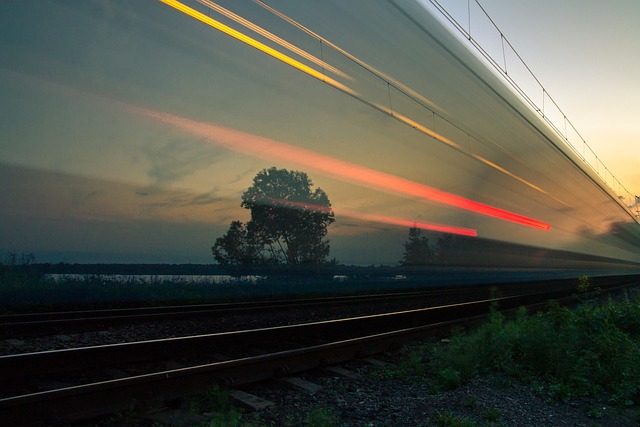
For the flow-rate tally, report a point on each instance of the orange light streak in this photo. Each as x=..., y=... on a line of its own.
x=257, y=45
x=378, y=218
x=267, y=34
x=257, y=146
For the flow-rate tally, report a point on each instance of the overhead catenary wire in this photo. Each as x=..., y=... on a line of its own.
x=622, y=191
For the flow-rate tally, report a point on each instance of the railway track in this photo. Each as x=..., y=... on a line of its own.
x=82, y=383
x=49, y=323
x=66, y=322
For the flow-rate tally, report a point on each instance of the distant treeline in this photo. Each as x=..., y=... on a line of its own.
x=190, y=269
x=127, y=269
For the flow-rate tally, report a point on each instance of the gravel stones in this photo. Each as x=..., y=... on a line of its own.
x=373, y=400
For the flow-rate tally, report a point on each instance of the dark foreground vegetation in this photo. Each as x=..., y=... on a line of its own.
x=591, y=350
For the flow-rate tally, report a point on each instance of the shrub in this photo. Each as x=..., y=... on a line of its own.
x=447, y=419
x=594, y=348
x=492, y=414
x=411, y=368
x=321, y=418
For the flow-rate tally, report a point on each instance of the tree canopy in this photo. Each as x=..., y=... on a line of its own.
x=288, y=224
x=417, y=251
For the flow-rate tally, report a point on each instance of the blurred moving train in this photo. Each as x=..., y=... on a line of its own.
x=131, y=128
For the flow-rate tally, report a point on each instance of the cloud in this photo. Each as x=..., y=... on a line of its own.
x=175, y=200
x=171, y=162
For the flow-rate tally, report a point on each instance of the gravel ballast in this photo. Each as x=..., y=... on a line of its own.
x=375, y=399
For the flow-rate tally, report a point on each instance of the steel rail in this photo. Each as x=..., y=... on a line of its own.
x=49, y=323
x=77, y=403
x=376, y=334
x=25, y=365
x=39, y=324
x=96, y=357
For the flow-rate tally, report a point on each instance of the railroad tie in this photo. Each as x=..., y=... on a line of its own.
x=342, y=372
x=304, y=385
x=250, y=401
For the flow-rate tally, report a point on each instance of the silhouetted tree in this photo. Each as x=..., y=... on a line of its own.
x=417, y=251
x=288, y=223
x=235, y=248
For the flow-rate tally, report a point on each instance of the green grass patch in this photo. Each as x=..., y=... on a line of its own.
x=216, y=403
x=321, y=417
x=448, y=419
x=492, y=414
x=410, y=368
x=594, y=348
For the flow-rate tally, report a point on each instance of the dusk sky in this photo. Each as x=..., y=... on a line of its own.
x=584, y=54
x=129, y=130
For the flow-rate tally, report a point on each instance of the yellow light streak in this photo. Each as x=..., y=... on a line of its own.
x=274, y=38
x=256, y=44
x=458, y=148
x=412, y=93
x=314, y=73
x=452, y=144
x=416, y=95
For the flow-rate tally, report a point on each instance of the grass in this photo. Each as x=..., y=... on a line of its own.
x=320, y=417
x=410, y=367
x=448, y=419
x=593, y=349
x=25, y=291
x=216, y=403
x=492, y=414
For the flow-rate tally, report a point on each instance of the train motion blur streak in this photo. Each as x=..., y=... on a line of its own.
x=254, y=145
x=256, y=44
x=373, y=70
x=410, y=92
x=259, y=30
x=461, y=231
x=321, y=76
x=131, y=129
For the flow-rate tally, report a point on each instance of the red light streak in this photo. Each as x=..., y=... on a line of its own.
x=377, y=218
x=408, y=223
x=261, y=147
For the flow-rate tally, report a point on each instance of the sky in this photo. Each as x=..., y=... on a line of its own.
x=583, y=53
x=130, y=130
